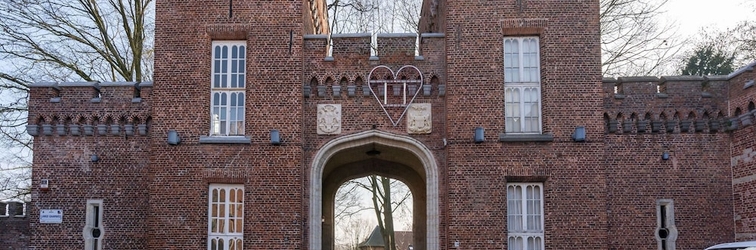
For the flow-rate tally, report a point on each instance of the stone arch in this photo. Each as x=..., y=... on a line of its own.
x=387, y=140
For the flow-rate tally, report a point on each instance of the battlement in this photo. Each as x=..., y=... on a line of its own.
x=666, y=86
x=677, y=104
x=670, y=104
x=77, y=108
x=383, y=48
x=352, y=57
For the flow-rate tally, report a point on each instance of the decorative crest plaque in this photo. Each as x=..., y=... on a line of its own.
x=329, y=119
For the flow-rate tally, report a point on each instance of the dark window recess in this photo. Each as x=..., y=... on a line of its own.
x=96, y=233
x=663, y=231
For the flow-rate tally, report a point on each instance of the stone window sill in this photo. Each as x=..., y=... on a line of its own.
x=224, y=140
x=525, y=137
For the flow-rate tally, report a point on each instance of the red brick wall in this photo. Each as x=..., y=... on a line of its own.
x=179, y=175
x=570, y=71
x=743, y=167
x=15, y=233
x=119, y=178
x=599, y=194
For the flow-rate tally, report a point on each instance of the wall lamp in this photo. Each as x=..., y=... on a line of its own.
x=479, y=135
x=579, y=135
x=173, y=138
x=275, y=137
x=665, y=155
x=94, y=158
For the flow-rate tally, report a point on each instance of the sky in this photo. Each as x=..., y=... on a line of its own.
x=692, y=15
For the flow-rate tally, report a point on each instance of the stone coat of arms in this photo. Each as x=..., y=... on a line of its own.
x=419, y=118
x=329, y=119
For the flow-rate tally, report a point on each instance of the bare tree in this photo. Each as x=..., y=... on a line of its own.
x=61, y=40
x=744, y=41
x=390, y=200
x=355, y=230
x=633, y=41
x=373, y=16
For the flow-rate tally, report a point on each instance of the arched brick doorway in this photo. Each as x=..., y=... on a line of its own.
x=401, y=157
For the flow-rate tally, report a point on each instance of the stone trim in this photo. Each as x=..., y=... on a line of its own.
x=429, y=35
x=365, y=138
x=224, y=140
x=350, y=35
x=395, y=35
x=504, y=137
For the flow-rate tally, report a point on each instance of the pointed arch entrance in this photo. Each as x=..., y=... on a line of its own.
x=401, y=157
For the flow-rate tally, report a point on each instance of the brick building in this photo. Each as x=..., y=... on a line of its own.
x=500, y=124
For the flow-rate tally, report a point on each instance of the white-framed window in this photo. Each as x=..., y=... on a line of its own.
x=525, y=216
x=225, y=226
x=522, y=85
x=228, y=88
x=93, y=228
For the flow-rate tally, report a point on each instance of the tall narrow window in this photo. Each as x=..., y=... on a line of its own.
x=666, y=231
x=228, y=88
x=525, y=216
x=93, y=229
x=225, y=229
x=522, y=85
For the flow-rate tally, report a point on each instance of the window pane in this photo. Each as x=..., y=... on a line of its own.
x=239, y=224
x=224, y=77
x=534, y=243
x=532, y=110
x=221, y=226
x=515, y=243
x=512, y=110
x=233, y=74
x=232, y=244
x=511, y=60
x=239, y=244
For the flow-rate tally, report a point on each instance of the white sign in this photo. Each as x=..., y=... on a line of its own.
x=50, y=216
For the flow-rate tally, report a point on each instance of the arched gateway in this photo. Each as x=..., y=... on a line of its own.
x=340, y=159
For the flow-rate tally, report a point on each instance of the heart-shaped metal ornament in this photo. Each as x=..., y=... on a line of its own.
x=395, y=91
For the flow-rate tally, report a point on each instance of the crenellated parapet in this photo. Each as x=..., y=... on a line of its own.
x=89, y=108
x=341, y=69
x=670, y=104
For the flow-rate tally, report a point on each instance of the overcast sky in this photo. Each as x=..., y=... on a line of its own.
x=692, y=15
